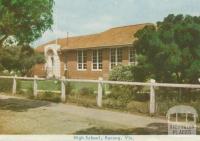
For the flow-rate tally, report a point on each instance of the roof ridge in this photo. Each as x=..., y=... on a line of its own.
x=85, y=35
x=99, y=33
x=129, y=25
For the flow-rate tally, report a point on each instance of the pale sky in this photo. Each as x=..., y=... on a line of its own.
x=79, y=17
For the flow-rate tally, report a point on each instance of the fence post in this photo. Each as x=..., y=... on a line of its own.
x=100, y=92
x=35, y=86
x=152, y=98
x=14, y=85
x=63, y=97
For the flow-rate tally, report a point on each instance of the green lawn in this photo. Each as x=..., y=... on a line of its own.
x=49, y=85
x=53, y=85
x=77, y=86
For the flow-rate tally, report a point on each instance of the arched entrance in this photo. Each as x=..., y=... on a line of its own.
x=52, y=62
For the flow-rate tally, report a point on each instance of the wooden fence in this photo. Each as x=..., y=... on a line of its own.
x=152, y=84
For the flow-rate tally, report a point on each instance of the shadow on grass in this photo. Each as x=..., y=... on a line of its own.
x=20, y=105
x=151, y=129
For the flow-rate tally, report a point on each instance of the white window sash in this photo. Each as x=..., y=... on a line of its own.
x=116, y=57
x=81, y=61
x=97, y=62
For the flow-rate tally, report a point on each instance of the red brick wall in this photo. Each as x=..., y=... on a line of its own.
x=39, y=70
x=72, y=71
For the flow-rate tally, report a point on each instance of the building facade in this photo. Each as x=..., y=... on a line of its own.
x=89, y=56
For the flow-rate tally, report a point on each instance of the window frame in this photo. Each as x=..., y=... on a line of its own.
x=82, y=60
x=98, y=63
x=116, y=55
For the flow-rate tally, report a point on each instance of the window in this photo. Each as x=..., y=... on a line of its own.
x=97, y=59
x=82, y=60
x=115, y=57
x=132, y=56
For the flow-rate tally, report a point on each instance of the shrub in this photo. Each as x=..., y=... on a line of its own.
x=6, y=85
x=28, y=93
x=121, y=92
x=122, y=73
x=136, y=106
x=81, y=96
x=166, y=100
x=86, y=91
x=124, y=93
x=1, y=68
x=49, y=96
x=68, y=88
x=114, y=104
x=86, y=101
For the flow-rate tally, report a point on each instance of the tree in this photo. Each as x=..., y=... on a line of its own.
x=24, y=20
x=169, y=51
x=19, y=59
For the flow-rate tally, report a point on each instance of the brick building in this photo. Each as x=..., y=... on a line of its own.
x=89, y=56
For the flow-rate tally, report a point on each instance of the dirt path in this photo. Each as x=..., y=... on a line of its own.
x=23, y=116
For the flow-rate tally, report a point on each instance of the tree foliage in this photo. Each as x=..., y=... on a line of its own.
x=21, y=23
x=25, y=20
x=19, y=59
x=170, y=50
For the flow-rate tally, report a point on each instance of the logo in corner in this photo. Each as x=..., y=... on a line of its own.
x=182, y=120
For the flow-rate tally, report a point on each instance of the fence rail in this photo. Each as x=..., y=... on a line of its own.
x=152, y=85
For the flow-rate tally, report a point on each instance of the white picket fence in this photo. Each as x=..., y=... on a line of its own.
x=152, y=85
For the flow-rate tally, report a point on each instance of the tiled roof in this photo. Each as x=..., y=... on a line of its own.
x=115, y=36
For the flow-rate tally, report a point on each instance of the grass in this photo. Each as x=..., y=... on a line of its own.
x=82, y=92
x=48, y=85
x=53, y=85
x=78, y=86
